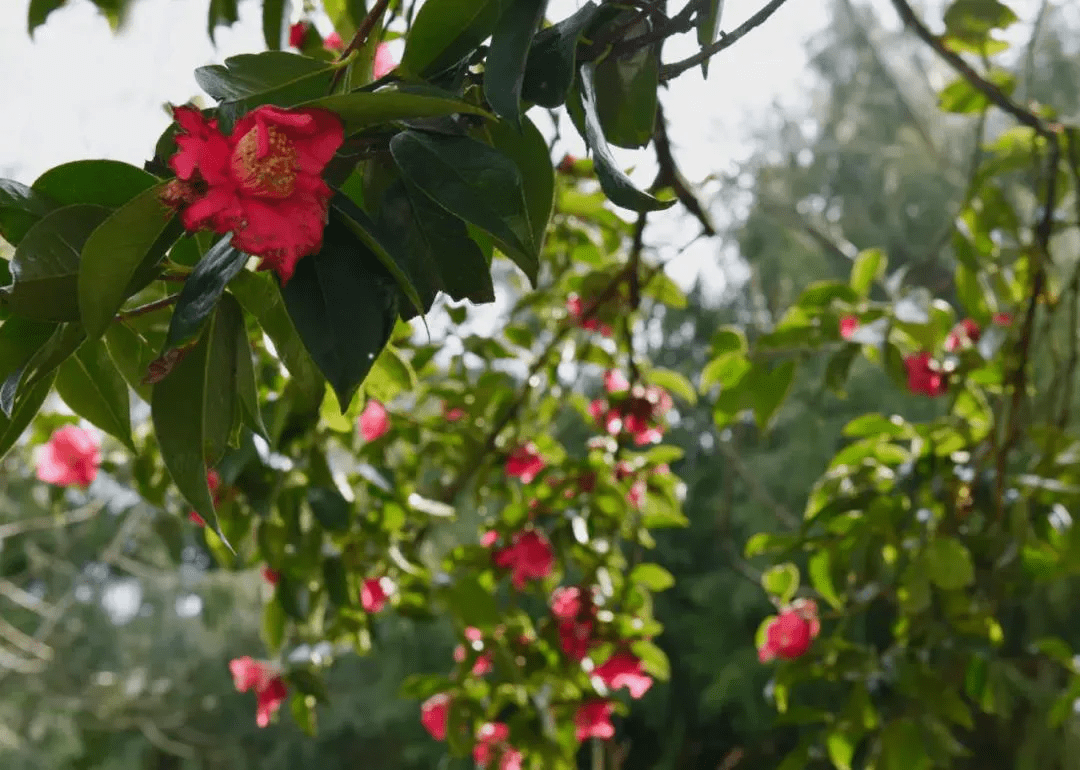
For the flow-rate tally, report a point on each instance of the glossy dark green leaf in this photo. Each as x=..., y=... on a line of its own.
x=93, y=387
x=221, y=13
x=275, y=14
x=246, y=383
x=109, y=183
x=549, y=71
x=11, y=428
x=616, y=185
x=626, y=93
x=20, y=339
x=446, y=31
x=250, y=74
x=768, y=390
x=529, y=151
x=361, y=109
x=331, y=510
x=192, y=411
x=38, y=11
x=20, y=208
x=344, y=305
x=202, y=290
x=45, y=267
x=504, y=68
x=131, y=240
x=708, y=26
x=62, y=343
x=132, y=354
x=474, y=182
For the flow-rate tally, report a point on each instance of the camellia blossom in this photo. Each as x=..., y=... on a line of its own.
x=453, y=413
x=271, y=576
x=529, y=557
x=965, y=332
x=434, y=714
x=922, y=378
x=296, y=34
x=490, y=741
x=333, y=42
x=262, y=183
x=790, y=633
x=615, y=381
x=623, y=669
x=525, y=463
x=269, y=687
x=373, y=594
x=575, y=614
x=71, y=457
x=593, y=720
x=576, y=308
x=384, y=61
x=639, y=412
x=848, y=325
x=1002, y=319
x=374, y=421
x=489, y=538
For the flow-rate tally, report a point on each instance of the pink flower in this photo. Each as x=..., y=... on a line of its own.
x=70, y=458
x=967, y=331
x=296, y=34
x=789, y=634
x=269, y=700
x=575, y=612
x=374, y=421
x=271, y=576
x=263, y=183
x=453, y=414
x=639, y=412
x=333, y=42
x=636, y=495
x=576, y=308
x=922, y=378
x=384, y=61
x=270, y=690
x=491, y=739
x=373, y=595
x=489, y=538
x=848, y=325
x=1002, y=319
x=484, y=662
x=615, y=381
x=566, y=602
x=525, y=463
x=593, y=720
x=623, y=669
x=434, y=713
x=529, y=557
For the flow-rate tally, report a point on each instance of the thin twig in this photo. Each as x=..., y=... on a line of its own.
x=361, y=36
x=670, y=176
x=49, y=522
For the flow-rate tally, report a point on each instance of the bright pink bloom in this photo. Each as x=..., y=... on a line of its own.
x=384, y=61
x=270, y=690
x=529, y=557
x=489, y=538
x=615, y=381
x=848, y=325
x=333, y=42
x=195, y=518
x=636, y=495
x=374, y=421
x=922, y=378
x=434, y=713
x=296, y=34
x=966, y=331
x=262, y=183
x=525, y=463
x=269, y=700
x=1002, y=319
x=453, y=414
x=789, y=634
x=593, y=720
x=70, y=458
x=576, y=308
x=623, y=669
x=575, y=613
x=271, y=576
x=373, y=595
x=566, y=603
x=639, y=413
x=491, y=740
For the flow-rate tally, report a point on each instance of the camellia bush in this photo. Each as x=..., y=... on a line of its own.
x=266, y=288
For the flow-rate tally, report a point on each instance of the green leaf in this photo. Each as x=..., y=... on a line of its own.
x=132, y=355
x=474, y=182
x=64, y=341
x=529, y=151
x=275, y=14
x=708, y=27
x=962, y=97
x=362, y=109
x=725, y=371
x=390, y=376
x=973, y=20
x=109, y=183
x=768, y=390
x=202, y=290
x=93, y=387
x=626, y=93
x=39, y=11
x=192, y=410
x=446, y=31
x=472, y=603
x=331, y=510
x=20, y=209
x=652, y=576
x=616, y=185
x=247, y=386
x=45, y=267
x=674, y=383
x=302, y=708
x=221, y=13
x=841, y=749
x=504, y=68
x=903, y=747
x=344, y=305
x=819, y=570
x=251, y=74
x=124, y=247
x=273, y=626
x=549, y=70
x=12, y=427
x=781, y=582
x=653, y=659
x=869, y=266
x=948, y=563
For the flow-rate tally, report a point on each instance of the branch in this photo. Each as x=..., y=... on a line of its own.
x=149, y=307
x=670, y=176
x=669, y=71
x=361, y=36
x=49, y=522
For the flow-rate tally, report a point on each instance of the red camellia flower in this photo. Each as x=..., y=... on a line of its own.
x=373, y=594
x=333, y=42
x=489, y=538
x=262, y=183
x=967, y=331
x=452, y=414
x=270, y=690
x=576, y=308
x=848, y=325
x=529, y=557
x=638, y=412
x=593, y=720
x=1002, y=319
x=271, y=576
x=615, y=381
x=434, y=713
x=525, y=463
x=70, y=458
x=790, y=633
x=384, y=61
x=374, y=421
x=296, y=34
x=491, y=740
x=922, y=378
x=575, y=613
x=623, y=669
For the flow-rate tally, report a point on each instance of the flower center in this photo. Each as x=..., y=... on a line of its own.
x=264, y=163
